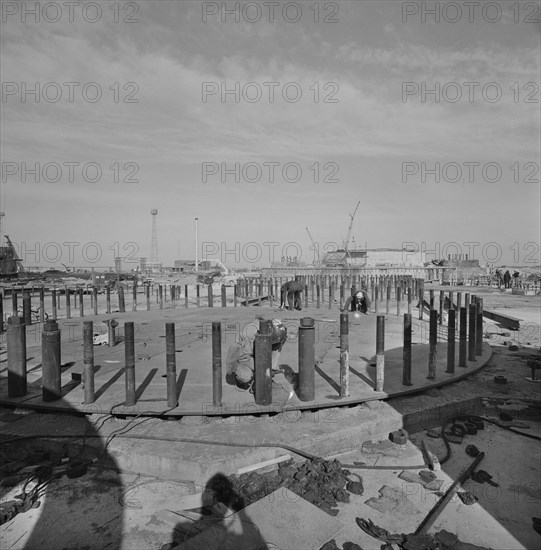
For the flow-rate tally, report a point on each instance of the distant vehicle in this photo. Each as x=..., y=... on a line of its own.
x=101, y=334
x=101, y=339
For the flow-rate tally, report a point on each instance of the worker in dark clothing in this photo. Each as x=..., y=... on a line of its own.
x=516, y=279
x=291, y=291
x=358, y=301
x=507, y=279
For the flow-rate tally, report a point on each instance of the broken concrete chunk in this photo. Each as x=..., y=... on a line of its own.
x=433, y=433
x=427, y=475
x=430, y=484
x=430, y=457
x=482, y=476
x=390, y=498
x=467, y=498
x=434, y=485
x=384, y=447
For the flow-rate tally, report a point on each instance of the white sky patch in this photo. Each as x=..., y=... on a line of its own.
x=355, y=94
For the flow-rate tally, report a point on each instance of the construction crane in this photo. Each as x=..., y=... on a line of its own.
x=346, y=245
x=14, y=256
x=314, y=248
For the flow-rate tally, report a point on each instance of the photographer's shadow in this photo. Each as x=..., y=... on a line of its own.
x=227, y=527
x=76, y=488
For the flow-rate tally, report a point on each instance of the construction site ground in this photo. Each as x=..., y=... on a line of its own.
x=136, y=494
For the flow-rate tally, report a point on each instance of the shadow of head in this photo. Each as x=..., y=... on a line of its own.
x=224, y=524
x=220, y=489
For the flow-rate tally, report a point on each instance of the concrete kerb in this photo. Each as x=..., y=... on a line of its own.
x=325, y=433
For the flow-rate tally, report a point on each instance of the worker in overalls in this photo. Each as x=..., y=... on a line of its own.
x=240, y=355
x=291, y=293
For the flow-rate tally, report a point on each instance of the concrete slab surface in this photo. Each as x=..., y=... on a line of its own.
x=282, y=520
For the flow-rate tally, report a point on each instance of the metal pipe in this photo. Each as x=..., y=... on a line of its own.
x=307, y=359
x=53, y=298
x=14, y=305
x=472, y=332
x=479, y=327
x=50, y=361
x=433, y=344
x=406, y=372
x=16, y=356
x=380, y=352
x=451, y=336
x=88, y=372
x=437, y=509
x=210, y=296
x=27, y=307
x=81, y=304
x=224, y=296
x=463, y=333
x=129, y=361
x=134, y=296
x=217, y=363
x=171, y=365
x=263, y=364
x=42, y=305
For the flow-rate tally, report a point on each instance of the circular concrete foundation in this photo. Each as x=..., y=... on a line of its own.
x=194, y=363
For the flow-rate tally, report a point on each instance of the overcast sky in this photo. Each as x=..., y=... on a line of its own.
x=350, y=120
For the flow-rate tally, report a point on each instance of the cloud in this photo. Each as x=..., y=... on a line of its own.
x=169, y=131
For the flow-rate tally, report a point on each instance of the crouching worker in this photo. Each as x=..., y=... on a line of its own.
x=359, y=301
x=291, y=292
x=240, y=355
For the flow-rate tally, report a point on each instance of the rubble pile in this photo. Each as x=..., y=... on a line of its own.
x=322, y=482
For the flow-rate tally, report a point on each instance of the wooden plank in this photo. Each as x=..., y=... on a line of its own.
x=248, y=301
x=263, y=464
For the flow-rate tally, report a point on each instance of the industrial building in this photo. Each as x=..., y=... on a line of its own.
x=375, y=257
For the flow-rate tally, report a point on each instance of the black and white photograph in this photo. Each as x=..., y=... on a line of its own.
x=270, y=275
